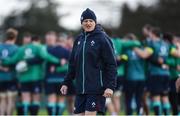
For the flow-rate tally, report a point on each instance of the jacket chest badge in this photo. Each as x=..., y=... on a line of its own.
x=92, y=43
x=78, y=42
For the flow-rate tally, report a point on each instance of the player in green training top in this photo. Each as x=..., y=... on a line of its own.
x=119, y=45
x=26, y=39
x=158, y=80
x=135, y=78
x=147, y=40
x=173, y=62
x=54, y=75
x=30, y=76
x=8, y=85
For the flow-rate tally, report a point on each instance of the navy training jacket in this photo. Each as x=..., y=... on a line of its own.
x=92, y=63
x=59, y=52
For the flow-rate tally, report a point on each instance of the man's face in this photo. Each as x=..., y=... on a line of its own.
x=50, y=39
x=88, y=25
x=151, y=35
x=27, y=40
x=145, y=32
x=176, y=40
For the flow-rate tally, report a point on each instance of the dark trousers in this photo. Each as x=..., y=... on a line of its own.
x=133, y=89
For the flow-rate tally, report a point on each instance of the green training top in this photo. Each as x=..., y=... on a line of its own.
x=34, y=72
x=7, y=51
x=160, y=49
x=135, y=70
x=173, y=62
x=119, y=46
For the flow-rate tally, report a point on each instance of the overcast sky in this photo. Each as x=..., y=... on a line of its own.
x=107, y=11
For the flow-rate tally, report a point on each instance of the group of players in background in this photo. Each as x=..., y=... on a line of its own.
x=31, y=74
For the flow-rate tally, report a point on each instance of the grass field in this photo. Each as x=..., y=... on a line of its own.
x=44, y=112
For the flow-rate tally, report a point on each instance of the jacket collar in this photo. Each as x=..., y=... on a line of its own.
x=98, y=29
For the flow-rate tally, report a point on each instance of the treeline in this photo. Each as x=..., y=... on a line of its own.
x=165, y=14
x=39, y=20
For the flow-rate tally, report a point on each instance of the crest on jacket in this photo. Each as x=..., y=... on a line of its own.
x=78, y=42
x=92, y=43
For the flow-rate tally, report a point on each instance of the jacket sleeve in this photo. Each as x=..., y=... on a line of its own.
x=171, y=62
x=109, y=64
x=46, y=56
x=34, y=61
x=154, y=61
x=130, y=44
x=14, y=59
x=64, y=68
x=71, y=67
x=66, y=54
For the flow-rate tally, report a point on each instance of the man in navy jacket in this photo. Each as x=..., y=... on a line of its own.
x=92, y=64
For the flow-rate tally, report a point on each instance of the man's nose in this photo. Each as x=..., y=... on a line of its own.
x=88, y=22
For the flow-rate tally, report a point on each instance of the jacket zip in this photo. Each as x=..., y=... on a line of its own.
x=84, y=45
x=101, y=78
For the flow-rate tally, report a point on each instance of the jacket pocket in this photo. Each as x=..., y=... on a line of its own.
x=93, y=80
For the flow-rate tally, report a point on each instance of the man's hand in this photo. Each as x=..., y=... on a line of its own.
x=108, y=93
x=164, y=66
x=5, y=69
x=64, y=89
x=177, y=45
x=178, y=84
x=178, y=67
x=52, y=69
x=160, y=60
x=63, y=61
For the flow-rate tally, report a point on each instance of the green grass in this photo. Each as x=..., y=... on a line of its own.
x=44, y=112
